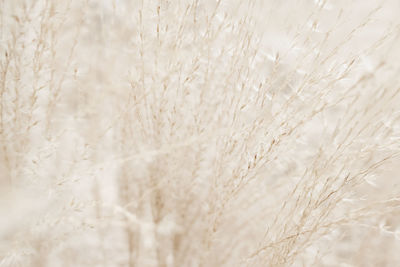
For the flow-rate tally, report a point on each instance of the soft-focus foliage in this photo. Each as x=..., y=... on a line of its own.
x=199, y=133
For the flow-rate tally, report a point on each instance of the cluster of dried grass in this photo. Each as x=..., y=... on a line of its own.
x=199, y=133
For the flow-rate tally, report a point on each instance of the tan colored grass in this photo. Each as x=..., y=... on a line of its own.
x=199, y=133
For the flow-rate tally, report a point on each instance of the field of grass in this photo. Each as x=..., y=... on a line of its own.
x=199, y=133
